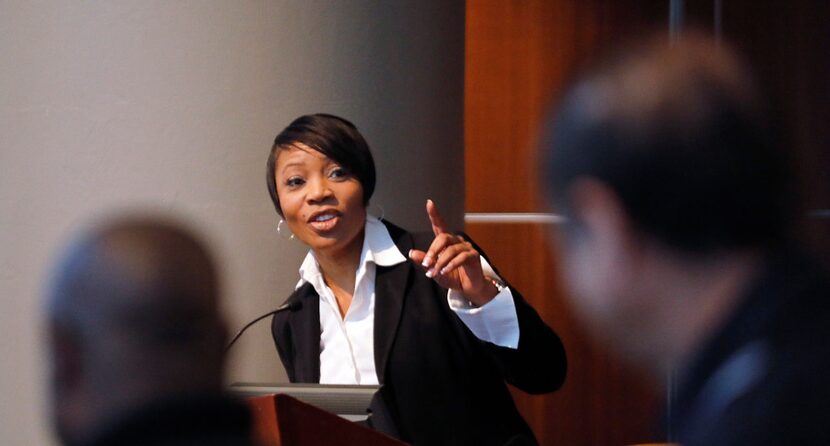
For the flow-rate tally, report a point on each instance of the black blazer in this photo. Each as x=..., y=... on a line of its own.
x=441, y=384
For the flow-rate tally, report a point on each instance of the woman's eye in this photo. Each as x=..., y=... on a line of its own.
x=294, y=182
x=338, y=172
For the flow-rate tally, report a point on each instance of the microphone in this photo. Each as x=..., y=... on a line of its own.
x=289, y=306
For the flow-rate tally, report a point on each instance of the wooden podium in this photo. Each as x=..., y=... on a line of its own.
x=280, y=420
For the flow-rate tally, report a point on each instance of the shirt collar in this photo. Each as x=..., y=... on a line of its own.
x=378, y=248
x=378, y=244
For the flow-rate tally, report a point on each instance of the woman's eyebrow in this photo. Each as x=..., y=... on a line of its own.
x=330, y=162
x=291, y=164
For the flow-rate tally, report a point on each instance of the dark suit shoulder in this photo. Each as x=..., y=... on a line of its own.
x=305, y=291
x=300, y=295
x=406, y=240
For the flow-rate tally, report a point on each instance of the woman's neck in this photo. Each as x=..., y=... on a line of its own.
x=339, y=268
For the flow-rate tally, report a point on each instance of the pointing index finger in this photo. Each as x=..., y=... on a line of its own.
x=438, y=226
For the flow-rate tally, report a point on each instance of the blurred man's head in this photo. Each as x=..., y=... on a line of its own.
x=670, y=174
x=132, y=317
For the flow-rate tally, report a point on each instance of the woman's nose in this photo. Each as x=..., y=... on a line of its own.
x=318, y=190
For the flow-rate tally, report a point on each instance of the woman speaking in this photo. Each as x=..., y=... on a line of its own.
x=425, y=315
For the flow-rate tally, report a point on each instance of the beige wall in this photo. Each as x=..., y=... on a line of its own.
x=171, y=106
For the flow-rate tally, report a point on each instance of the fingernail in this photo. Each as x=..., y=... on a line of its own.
x=443, y=270
x=409, y=253
x=429, y=274
x=426, y=262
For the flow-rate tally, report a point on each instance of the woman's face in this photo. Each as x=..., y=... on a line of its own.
x=321, y=202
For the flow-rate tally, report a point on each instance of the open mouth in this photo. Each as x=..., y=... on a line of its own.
x=324, y=221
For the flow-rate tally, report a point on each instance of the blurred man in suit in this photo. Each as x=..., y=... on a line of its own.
x=135, y=341
x=676, y=252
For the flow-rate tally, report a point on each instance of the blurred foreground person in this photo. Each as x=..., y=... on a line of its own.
x=135, y=341
x=679, y=203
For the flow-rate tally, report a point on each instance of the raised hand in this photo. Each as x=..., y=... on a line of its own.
x=453, y=262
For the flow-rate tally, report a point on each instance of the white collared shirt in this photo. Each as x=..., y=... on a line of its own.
x=347, y=350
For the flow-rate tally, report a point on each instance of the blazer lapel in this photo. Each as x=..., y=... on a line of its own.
x=306, y=323
x=391, y=284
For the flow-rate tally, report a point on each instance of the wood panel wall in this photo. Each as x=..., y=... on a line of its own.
x=788, y=47
x=519, y=54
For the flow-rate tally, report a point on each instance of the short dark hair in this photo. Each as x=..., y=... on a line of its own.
x=680, y=134
x=334, y=137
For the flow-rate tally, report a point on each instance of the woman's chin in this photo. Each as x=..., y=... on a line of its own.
x=323, y=240
x=333, y=240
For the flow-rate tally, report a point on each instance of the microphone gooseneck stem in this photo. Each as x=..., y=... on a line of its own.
x=289, y=306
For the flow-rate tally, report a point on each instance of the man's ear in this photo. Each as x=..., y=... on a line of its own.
x=599, y=210
x=70, y=407
x=65, y=355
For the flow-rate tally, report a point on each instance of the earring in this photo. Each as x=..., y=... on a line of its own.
x=382, y=213
x=279, y=231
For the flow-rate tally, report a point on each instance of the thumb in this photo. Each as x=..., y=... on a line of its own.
x=417, y=255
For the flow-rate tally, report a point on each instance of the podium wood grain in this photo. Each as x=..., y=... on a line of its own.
x=281, y=420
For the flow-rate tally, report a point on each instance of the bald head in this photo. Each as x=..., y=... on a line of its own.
x=148, y=281
x=133, y=316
